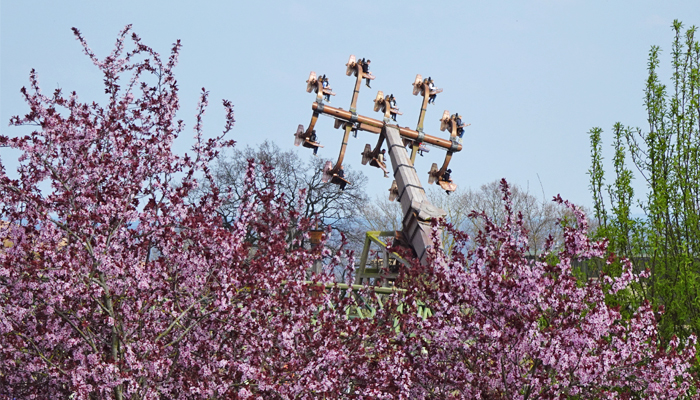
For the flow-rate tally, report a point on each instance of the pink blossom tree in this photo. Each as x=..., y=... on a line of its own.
x=114, y=283
x=505, y=327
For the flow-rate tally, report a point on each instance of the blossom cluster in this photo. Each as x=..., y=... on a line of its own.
x=504, y=326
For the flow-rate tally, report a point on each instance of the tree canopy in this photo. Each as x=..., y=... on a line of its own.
x=666, y=240
x=299, y=182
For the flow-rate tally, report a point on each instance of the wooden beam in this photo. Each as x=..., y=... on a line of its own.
x=367, y=124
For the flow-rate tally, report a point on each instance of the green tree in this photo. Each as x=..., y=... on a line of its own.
x=667, y=239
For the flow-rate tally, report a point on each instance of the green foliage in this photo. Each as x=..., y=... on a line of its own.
x=667, y=239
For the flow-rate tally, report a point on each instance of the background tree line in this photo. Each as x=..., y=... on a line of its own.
x=353, y=211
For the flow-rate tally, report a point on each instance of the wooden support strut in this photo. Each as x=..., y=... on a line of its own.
x=378, y=147
x=381, y=105
x=312, y=125
x=314, y=83
x=448, y=156
x=421, y=118
x=375, y=126
x=353, y=114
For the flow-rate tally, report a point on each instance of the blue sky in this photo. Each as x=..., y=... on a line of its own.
x=532, y=77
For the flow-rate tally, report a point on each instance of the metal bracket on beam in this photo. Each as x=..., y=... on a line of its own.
x=406, y=187
x=320, y=106
x=421, y=135
x=403, y=165
x=396, y=145
x=455, y=144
